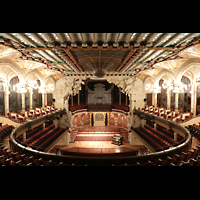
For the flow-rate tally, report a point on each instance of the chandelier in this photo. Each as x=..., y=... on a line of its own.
x=24, y=86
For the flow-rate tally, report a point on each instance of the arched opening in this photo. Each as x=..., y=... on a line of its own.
x=2, y=101
x=148, y=89
x=185, y=97
x=36, y=97
x=15, y=99
x=162, y=96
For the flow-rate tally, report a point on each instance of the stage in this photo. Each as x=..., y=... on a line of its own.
x=97, y=141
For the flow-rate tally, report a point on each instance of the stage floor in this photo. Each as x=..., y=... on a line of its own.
x=98, y=140
x=98, y=144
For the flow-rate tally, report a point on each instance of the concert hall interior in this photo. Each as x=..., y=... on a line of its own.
x=99, y=99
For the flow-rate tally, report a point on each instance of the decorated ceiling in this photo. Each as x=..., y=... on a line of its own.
x=98, y=54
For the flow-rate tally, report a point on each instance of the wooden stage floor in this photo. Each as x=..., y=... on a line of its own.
x=98, y=147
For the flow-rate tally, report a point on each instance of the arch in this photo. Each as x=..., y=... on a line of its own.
x=37, y=73
x=14, y=67
x=50, y=78
x=186, y=67
x=147, y=78
x=163, y=73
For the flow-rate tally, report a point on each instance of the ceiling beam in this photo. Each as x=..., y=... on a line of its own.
x=152, y=37
x=186, y=38
x=48, y=37
x=140, y=37
x=129, y=37
x=59, y=36
x=82, y=37
x=100, y=47
x=161, y=39
x=38, y=39
x=12, y=37
x=171, y=39
x=27, y=39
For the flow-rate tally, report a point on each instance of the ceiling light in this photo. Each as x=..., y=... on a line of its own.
x=84, y=45
x=50, y=44
x=105, y=44
x=126, y=45
x=115, y=44
x=94, y=45
x=74, y=44
x=64, y=44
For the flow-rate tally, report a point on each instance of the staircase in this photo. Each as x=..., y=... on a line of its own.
x=124, y=134
x=73, y=134
x=97, y=133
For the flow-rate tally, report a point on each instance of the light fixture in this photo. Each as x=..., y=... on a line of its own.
x=94, y=45
x=105, y=44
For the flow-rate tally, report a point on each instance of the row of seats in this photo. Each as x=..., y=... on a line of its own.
x=189, y=158
x=38, y=134
x=5, y=130
x=194, y=130
x=169, y=114
x=10, y=158
x=142, y=133
x=162, y=135
x=28, y=115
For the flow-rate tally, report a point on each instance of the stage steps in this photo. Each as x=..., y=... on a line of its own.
x=73, y=133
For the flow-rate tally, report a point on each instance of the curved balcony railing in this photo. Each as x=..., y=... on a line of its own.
x=82, y=160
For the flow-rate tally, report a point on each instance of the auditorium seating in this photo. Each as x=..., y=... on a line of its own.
x=169, y=114
x=121, y=107
x=189, y=158
x=76, y=106
x=30, y=114
x=40, y=140
x=158, y=140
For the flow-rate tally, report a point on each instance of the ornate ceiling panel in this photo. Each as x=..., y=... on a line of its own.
x=75, y=53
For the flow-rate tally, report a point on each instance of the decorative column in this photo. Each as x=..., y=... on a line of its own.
x=168, y=99
x=30, y=98
x=6, y=101
x=23, y=102
x=155, y=99
x=176, y=91
x=176, y=100
x=193, y=99
x=43, y=99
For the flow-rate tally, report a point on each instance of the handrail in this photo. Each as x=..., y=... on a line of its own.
x=82, y=160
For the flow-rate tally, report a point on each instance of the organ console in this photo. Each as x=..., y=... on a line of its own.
x=117, y=139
